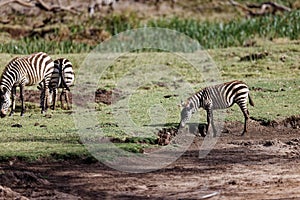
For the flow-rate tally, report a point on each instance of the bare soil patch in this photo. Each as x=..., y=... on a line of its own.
x=106, y=96
x=101, y=96
x=264, y=164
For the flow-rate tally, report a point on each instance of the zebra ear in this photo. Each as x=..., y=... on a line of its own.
x=189, y=105
x=3, y=90
x=182, y=104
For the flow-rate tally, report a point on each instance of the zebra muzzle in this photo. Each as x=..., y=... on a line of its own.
x=3, y=113
x=181, y=124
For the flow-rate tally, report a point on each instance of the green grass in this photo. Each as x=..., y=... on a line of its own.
x=235, y=32
x=274, y=85
x=39, y=136
x=210, y=34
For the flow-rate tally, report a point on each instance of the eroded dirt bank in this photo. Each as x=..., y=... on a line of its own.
x=264, y=164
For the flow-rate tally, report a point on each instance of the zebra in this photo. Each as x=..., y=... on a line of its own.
x=62, y=77
x=217, y=97
x=158, y=2
x=97, y=4
x=21, y=72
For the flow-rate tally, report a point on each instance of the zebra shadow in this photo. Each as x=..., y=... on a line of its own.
x=197, y=129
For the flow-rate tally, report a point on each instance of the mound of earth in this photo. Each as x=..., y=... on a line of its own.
x=165, y=135
x=8, y=193
x=24, y=179
x=107, y=96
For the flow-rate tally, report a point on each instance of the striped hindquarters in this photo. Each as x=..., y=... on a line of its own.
x=226, y=94
x=63, y=75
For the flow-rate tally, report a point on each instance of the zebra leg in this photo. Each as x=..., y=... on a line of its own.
x=13, y=99
x=54, y=98
x=61, y=98
x=22, y=100
x=213, y=124
x=45, y=98
x=67, y=99
x=210, y=120
x=246, y=116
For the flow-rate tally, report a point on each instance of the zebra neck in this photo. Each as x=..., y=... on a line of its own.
x=7, y=84
x=196, y=100
x=10, y=77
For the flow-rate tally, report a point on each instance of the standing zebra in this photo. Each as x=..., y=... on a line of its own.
x=25, y=71
x=62, y=77
x=97, y=4
x=218, y=97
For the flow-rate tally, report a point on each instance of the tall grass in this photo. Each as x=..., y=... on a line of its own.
x=209, y=34
x=31, y=45
x=236, y=32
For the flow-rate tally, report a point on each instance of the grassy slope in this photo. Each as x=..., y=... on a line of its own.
x=277, y=97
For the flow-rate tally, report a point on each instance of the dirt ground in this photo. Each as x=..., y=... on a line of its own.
x=264, y=164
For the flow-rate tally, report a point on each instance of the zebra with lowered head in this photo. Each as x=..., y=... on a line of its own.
x=217, y=97
x=62, y=77
x=25, y=71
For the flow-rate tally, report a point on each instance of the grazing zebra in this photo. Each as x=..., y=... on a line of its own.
x=157, y=4
x=25, y=71
x=97, y=4
x=62, y=77
x=218, y=97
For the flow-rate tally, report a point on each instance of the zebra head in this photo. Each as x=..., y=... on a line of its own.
x=4, y=101
x=186, y=113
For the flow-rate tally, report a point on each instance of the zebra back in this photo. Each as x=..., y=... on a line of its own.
x=220, y=96
x=27, y=70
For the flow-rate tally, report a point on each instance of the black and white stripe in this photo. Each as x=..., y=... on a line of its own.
x=97, y=5
x=62, y=77
x=218, y=97
x=25, y=71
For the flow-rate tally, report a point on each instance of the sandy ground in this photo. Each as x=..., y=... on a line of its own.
x=264, y=164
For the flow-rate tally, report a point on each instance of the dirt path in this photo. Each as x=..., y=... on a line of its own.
x=265, y=164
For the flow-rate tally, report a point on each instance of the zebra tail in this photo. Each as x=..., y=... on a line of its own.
x=63, y=80
x=250, y=100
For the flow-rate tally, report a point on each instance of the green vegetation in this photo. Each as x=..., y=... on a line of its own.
x=33, y=136
x=154, y=82
x=210, y=34
x=273, y=81
x=235, y=32
x=31, y=45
